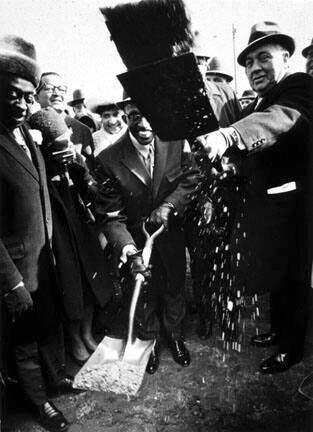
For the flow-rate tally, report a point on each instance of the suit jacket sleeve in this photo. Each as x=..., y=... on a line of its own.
x=292, y=106
x=9, y=274
x=110, y=210
x=189, y=179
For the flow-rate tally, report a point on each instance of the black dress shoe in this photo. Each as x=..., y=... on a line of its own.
x=51, y=418
x=153, y=362
x=265, y=339
x=278, y=362
x=204, y=329
x=180, y=353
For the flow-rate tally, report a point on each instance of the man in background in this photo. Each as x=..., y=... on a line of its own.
x=52, y=91
x=308, y=54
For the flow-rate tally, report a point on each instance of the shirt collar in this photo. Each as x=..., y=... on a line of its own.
x=143, y=149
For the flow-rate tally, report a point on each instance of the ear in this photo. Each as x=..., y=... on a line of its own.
x=286, y=56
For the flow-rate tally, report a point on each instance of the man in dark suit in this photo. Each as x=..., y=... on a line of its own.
x=27, y=281
x=146, y=178
x=52, y=91
x=270, y=244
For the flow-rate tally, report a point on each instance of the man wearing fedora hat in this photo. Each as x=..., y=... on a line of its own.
x=247, y=97
x=269, y=244
x=216, y=72
x=113, y=125
x=27, y=279
x=81, y=112
x=308, y=54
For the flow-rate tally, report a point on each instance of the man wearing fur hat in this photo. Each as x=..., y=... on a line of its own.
x=269, y=244
x=308, y=54
x=27, y=279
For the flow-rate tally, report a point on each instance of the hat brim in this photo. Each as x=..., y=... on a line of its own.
x=75, y=102
x=122, y=104
x=306, y=50
x=280, y=38
x=99, y=109
x=229, y=78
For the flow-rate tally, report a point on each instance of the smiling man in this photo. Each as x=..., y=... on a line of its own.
x=271, y=234
x=147, y=178
x=27, y=279
x=52, y=91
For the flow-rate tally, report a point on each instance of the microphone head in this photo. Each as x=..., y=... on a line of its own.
x=49, y=123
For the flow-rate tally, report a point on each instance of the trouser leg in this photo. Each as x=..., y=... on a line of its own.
x=30, y=372
x=52, y=352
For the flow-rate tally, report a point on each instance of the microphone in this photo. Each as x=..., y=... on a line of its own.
x=55, y=134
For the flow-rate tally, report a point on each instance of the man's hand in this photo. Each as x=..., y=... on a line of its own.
x=18, y=300
x=214, y=144
x=161, y=214
x=136, y=266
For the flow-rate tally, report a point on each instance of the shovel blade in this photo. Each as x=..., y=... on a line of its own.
x=138, y=352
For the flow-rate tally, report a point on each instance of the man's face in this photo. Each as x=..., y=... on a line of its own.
x=309, y=62
x=112, y=120
x=79, y=108
x=52, y=93
x=245, y=102
x=212, y=77
x=265, y=66
x=16, y=99
x=138, y=125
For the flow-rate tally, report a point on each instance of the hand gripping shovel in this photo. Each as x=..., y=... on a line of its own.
x=115, y=366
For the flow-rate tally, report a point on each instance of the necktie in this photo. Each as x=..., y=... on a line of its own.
x=26, y=150
x=148, y=161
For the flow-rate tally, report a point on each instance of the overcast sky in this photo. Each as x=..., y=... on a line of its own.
x=71, y=36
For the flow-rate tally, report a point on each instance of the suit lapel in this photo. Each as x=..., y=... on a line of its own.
x=160, y=156
x=132, y=161
x=11, y=146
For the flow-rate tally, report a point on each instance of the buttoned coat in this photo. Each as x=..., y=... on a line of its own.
x=25, y=215
x=131, y=196
x=272, y=229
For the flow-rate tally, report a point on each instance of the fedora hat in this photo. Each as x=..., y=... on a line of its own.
x=248, y=94
x=217, y=67
x=306, y=50
x=263, y=33
x=78, y=97
x=17, y=56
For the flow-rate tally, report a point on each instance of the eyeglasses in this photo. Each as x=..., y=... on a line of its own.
x=51, y=88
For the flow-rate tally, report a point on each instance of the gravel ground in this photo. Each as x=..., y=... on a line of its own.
x=221, y=391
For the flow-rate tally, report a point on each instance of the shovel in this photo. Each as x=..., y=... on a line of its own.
x=115, y=366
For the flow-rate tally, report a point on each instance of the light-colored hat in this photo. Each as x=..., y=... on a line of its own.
x=100, y=106
x=17, y=56
x=306, y=50
x=247, y=94
x=217, y=67
x=263, y=33
x=78, y=97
